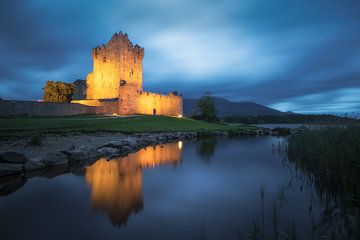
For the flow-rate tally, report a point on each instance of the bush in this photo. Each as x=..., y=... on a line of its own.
x=206, y=109
x=58, y=92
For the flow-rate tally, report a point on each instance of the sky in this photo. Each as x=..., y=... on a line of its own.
x=301, y=56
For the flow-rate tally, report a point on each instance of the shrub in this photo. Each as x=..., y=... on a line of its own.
x=206, y=110
x=58, y=92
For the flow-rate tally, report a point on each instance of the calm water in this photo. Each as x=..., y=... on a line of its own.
x=206, y=189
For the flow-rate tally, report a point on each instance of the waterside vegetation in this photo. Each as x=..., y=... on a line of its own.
x=330, y=158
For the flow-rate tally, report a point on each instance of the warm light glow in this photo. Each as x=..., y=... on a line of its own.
x=180, y=116
x=116, y=185
x=180, y=144
x=117, y=74
x=114, y=114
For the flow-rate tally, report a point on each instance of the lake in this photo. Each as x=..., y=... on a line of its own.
x=204, y=189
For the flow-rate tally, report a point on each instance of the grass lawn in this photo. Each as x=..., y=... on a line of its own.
x=37, y=125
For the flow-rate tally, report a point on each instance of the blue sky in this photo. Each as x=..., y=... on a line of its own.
x=301, y=56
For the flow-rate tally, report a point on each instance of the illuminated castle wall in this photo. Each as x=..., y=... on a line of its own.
x=117, y=75
x=118, y=61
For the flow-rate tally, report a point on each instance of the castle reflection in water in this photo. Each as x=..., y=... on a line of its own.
x=116, y=185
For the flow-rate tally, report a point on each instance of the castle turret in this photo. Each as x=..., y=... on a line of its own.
x=119, y=61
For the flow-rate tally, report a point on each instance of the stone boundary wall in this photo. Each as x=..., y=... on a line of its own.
x=88, y=102
x=102, y=106
x=144, y=103
x=111, y=107
x=32, y=108
x=157, y=104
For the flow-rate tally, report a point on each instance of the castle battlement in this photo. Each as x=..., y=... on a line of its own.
x=117, y=73
x=120, y=42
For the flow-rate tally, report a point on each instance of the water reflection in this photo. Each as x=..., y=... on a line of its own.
x=116, y=185
x=205, y=148
x=249, y=191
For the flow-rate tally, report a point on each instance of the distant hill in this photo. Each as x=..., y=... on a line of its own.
x=227, y=108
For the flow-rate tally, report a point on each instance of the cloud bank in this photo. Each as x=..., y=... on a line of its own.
x=301, y=56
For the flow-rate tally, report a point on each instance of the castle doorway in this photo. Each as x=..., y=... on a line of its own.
x=154, y=111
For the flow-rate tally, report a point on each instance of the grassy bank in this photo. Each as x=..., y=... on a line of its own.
x=31, y=126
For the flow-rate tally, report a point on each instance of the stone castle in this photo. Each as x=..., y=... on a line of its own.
x=115, y=85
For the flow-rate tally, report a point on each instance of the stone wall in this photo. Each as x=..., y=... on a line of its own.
x=108, y=107
x=32, y=108
x=118, y=60
x=102, y=106
x=151, y=104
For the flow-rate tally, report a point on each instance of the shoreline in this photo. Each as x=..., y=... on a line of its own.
x=22, y=156
x=27, y=156
x=56, y=154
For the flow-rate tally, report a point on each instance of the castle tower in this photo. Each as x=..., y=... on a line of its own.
x=116, y=63
x=115, y=85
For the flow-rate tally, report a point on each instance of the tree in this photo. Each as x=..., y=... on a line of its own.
x=205, y=109
x=58, y=92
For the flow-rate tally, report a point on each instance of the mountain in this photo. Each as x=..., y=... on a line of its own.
x=227, y=108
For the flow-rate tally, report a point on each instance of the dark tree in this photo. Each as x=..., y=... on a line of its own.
x=206, y=110
x=58, y=92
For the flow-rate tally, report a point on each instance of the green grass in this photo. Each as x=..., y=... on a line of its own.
x=39, y=125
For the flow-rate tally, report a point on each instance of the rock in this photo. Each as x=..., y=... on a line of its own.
x=115, y=144
x=47, y=160
x=92, y=153
x=152, y=139
x=33, y=165
x=131, y=141
x=109, y=152
x=171, y=136
x=10, y=169
x=55, y=159
x=12, y=157
x=126, y=149
x=76, y=155
x=162, y=138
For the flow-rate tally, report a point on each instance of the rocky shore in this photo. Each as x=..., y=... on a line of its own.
x=36, y=155
x=27, y=157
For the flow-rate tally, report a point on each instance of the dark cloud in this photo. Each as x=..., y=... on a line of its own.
x=287, y=54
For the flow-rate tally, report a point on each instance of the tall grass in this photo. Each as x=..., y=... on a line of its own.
x=330, y=157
